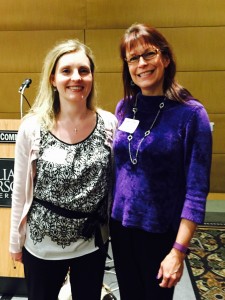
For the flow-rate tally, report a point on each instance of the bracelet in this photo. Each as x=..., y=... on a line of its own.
x=181, y=248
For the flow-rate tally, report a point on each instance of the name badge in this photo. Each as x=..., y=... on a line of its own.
x=55, y=155
x=129, y=125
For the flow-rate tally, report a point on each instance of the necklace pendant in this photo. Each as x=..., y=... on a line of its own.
x=75, y=130
x=134, y=161
x=147, y=132
x=129, y=137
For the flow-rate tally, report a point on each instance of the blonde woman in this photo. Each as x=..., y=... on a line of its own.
x=62, y=180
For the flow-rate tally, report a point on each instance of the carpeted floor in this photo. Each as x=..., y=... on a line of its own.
x=206, y=262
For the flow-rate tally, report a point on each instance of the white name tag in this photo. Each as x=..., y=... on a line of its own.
x=55, y=155
x=129, y=125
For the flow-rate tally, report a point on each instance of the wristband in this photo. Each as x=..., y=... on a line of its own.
x=181, y=248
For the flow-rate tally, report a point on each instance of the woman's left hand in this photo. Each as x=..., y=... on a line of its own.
x=171, y=269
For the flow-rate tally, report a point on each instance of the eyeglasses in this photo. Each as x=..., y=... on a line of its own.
x=146, y=56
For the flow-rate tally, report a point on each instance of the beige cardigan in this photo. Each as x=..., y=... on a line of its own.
x=26, y=152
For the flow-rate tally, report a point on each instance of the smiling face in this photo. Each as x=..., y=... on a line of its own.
x=147, y=72
x=73, y=77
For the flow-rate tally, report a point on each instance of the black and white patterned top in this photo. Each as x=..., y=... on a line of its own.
x=72, y=176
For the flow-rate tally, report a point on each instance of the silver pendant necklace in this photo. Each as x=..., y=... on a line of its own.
x=147, y=132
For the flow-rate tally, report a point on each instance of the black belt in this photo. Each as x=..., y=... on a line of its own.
x=91, y=225
x=71, y=214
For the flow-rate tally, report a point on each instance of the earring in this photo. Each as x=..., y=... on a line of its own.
x=54, y=89
x=132, y=83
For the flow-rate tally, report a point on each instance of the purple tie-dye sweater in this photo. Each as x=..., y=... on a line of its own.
x=171, y=178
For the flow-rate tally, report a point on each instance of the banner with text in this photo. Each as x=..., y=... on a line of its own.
x=6, y=181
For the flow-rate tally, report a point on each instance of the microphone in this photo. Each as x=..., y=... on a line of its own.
x=25, y=84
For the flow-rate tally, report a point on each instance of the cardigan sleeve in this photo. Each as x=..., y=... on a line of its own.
x=26, y=150
x=18, y=195
x=197, y=162
x=110, y=122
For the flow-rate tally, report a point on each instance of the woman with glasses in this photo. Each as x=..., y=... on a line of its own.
x=162, y=153
x=62, y=180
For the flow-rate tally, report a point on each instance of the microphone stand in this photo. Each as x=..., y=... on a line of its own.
x=21, y=91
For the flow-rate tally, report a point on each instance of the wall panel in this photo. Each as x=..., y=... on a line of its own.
x=24, y=51
x=160, y=13
x=109, y=90
x=42, y=15
x=218, y=174
x=9, y=95
x=208, y=87
x=105, y=45
x=218, y=133
x=197, y=48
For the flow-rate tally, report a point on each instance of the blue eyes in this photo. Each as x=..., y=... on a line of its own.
x=81, y=71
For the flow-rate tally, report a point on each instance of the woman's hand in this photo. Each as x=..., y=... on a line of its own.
x=171, y=269
x=17, y=256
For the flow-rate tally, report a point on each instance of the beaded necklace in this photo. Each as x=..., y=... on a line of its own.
x=147, y=132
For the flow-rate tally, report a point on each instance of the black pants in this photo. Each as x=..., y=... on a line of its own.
x=45, y=277
x=137, y=257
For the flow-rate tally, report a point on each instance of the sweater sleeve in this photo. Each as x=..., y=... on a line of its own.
x=110, y=122
x=197, y=162
x=19, y=183
x=26, y=151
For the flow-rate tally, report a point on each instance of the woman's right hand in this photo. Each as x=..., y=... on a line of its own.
x=17, y=256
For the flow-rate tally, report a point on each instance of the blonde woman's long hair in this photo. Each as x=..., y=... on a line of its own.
x=46, y=105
